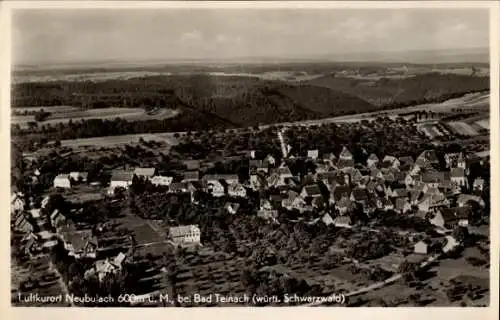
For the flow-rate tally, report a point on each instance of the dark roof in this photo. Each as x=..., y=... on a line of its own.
x=435, y=176
x=448, y=214
x=463, y=212
x=341, y=191
x=327, y=175
x=220, y=177
x=344, y=163
x=359, y=194
x=400, y=203
x=373, y=156
x=457, y=173
x=345, y=153
x=312, y=190
x=255, y=163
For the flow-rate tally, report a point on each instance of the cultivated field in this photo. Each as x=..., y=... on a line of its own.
x=109, y=141
x=462, y=128
x=64, y=114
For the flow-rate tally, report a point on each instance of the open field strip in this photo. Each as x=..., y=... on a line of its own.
x=463, y=128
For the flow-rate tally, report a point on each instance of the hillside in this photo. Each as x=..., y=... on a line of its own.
x=384, y=92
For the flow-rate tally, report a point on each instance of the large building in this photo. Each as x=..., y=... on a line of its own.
x=185, y=234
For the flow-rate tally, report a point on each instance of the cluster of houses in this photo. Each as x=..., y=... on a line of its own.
x=403, y=184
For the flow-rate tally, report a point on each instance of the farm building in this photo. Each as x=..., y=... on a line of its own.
x=62, y=181
x=121, y=179
x=232, y=208
x=144, y=173
x=80, y=244
x=185, y=234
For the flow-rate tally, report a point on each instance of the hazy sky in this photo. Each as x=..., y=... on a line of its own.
x=86, y=35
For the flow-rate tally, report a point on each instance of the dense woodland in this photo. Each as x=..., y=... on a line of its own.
x=228, y=102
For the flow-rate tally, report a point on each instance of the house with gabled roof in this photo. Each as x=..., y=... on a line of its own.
x=178, y=187
x=269, y=215
x=422, y=247
x=62, y=181
x=345, y=163
x=343, y=205
x=79, y=243
x=459, y=177
x=399, y=193
x=359, y=195
x=343, y=222
x=463, y=215
x=312, y=191
x=144, y=173
x=269, y=160
x=444, y=218
x=17, y=202
x=372, y=160
x=122, y=179
x=78, y=176
x=345, y=154
x=406, y=163
x=390, y=162
x=227, y=178
x=232, y=207
x=402, y=205
x=327, y=219
x=215, y=188
x=478, y=184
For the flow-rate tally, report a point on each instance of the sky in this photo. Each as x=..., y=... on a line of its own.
x=93, y=35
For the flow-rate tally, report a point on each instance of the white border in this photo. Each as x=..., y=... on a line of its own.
x=220, y=313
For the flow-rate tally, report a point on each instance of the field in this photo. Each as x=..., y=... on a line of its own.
x=63, y=114
x=110, y=141
x=484, y=123
x=462, y=128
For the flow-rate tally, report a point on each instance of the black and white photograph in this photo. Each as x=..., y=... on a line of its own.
x=247, y=156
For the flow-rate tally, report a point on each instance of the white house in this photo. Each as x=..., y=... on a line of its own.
x=62, y=181
x=478, y=184
x=190, y=234
x=345, y=154
x=162, y=180
x=421, y=247
x=312, y=154
x=122, y=179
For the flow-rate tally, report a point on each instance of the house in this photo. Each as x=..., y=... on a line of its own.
x=327, y=219
x=108, y=266
x=236, y=190
x=345, y=155
x=406, y=162
x=458, y=177
x=343, y=205
x=451, y=159
x=189, y=234
x=478, y=184
x=252, y=154
x=232, y=207
x=464, y=198
x=312, y=154
x=62, y=181
x=275, y=180
x=463, y=214
x=35, y=213
x=178, y=187
x=215, y=188
x=390, y=161
x=377, y=174
x=312, y=191
x=372, y=160
x=427, y=159
x=257, y=182
x=144, y=173
x=192, y=164
x=422, y=247
x=190, y=176
x=444, y=218
x=359, y=195
x=461, y=161
x=270, y=215
x=227, y=178
x=254, y=165
x=342, y=222
x=162, y=180
x=80, y=243
x=399, y=193
x=284, y=172
x=17, y=202
x=20, y=223
x=402, y=205
x=78, y=176
x=269, y=160
x=56, y=218
x=265, y=205
x=122, y=179
x=435, y=178
x=345, y=163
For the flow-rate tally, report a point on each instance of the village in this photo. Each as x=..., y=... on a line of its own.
x=380, y=216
